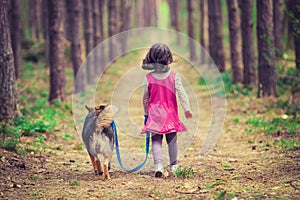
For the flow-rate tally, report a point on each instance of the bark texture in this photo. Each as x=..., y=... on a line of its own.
x=112, y=27
x=216, y=48
x=74, y=20
x=8, y=88
x=204, y=35
x=235, y=40
x=191, y=31
x=249, y=72
x=16, y=35
x=265, y=44
x=294, y=18
x=278, y=18
x=56, y=50
x=88, y=37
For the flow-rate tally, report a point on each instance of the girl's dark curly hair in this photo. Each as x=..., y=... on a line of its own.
x=160, y=54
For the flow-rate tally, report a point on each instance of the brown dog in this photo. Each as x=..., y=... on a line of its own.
x=98, y=137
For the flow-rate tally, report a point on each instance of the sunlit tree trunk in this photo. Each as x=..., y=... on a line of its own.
x=278, y=16
x=266, y=53
x=56, y=50
x=216, y=48
x=235, y=40
x=249, y=72
x=8, y=88
x=191, y=31
x=16, y=34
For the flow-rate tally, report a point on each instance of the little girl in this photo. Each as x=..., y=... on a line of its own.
x=160, y=105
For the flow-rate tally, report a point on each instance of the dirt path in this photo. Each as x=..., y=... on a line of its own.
x=241, y=166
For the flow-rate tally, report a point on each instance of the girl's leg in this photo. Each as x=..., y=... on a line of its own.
x=156, y=148
x=172, y=147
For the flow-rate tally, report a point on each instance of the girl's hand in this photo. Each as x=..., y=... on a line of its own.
x=188, y=114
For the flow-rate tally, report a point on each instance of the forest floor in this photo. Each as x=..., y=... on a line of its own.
x=242, y=165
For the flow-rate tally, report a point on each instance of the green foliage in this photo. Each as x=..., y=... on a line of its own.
x=9, y=137
x=33, y=51
x=290, y=109
x=27, y=128
x=75, y=183
x=289, y=80
x=78, y=147
x=288, y=144
x=67, y=136
x=227, y=166
x=12, y=130
x=184, y=172
x=216, y=183
x=221, y=194
x=277, y=125
x=232, y=90
x=236, y=120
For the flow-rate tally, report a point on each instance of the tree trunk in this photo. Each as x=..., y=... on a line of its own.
x=216, y=48
x=278, y=16
x=101, y=16
x=153, y=14
x=101, y=6
x=74, y=19
x=147, y=13
x=294, y=17
x=289, y=44
x=265, y=44
x=34, y=7
x=191, y=31
x=249, y=72
x=46, y=30
x=88, y=37
x=204, y=36
x=140, y=21
x=16, y=35
x=175, y=16
x=56, y=50
x=125, y=22
x=8, y=87
x=112, y=27
x=96, y=35
x=172, y=12
x=235, y=40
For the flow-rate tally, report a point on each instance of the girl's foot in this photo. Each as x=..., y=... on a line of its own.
x=159, y=170
x=173, y=169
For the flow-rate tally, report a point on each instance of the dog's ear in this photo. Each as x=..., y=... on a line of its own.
x=88, y=108
x=100, y=107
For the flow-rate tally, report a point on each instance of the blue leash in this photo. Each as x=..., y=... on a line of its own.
x=118, y=150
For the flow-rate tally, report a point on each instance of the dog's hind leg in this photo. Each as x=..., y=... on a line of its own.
x=93, y=163
x=98, y=167
x=105, y=165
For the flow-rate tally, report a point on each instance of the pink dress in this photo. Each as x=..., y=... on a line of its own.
x=162, y=109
